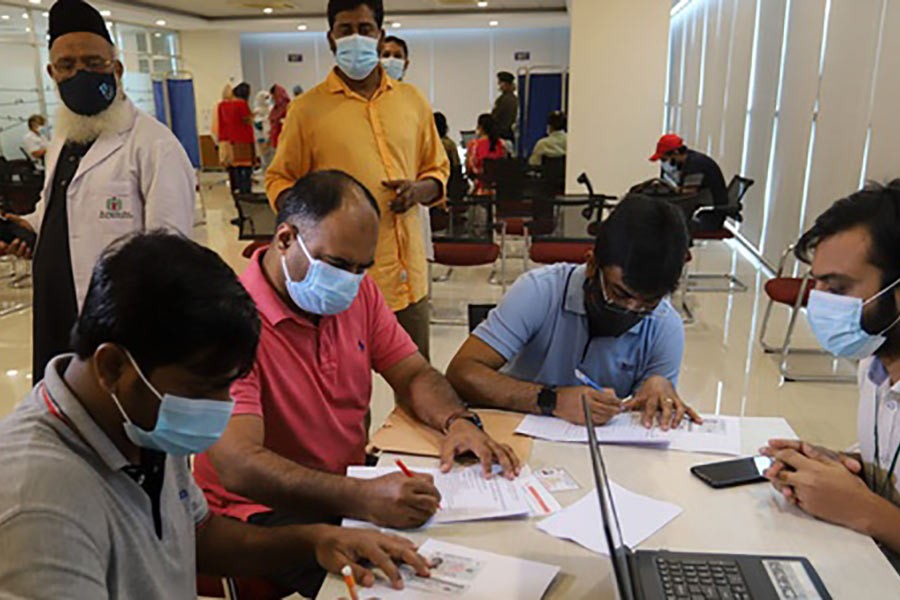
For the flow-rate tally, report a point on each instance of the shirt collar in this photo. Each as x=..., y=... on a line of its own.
x=270, y=305
x=575, y=290
x=79, y=419
x=878, y=375
x=336, y=85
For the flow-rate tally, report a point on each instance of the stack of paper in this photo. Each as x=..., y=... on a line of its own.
x=639, y=518
x=466, y=574
x=467, y=496
x=717, y=434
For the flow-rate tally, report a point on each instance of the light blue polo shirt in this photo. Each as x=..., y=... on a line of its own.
x=541, y=329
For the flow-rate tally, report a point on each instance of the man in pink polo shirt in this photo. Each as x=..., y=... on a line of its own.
x=299, y=419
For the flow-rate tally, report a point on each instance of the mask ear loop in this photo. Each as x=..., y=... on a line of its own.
x=878, y=295
x=141, y=375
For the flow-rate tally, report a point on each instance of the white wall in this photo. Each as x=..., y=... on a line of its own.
x=618, y=66
x=807, y=102
x=454, y=68
x=214, y=59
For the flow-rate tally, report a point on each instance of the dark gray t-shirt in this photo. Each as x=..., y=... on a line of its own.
x=73, y=523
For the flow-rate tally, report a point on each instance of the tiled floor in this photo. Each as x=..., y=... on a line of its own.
x=724, y=368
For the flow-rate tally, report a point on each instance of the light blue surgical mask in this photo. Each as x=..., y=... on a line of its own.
x=356, y=55
x=395, y=67
x=326, y=290
x=183, y=426
x=837, y=323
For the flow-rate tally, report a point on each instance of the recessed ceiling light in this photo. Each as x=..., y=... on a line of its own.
x=482, y=4
x=25, y=15
x=4, y=17
x=268, y=10
x=109, y=24
x=45, y=14
x=106, y=13
x=396, y=25
x=301, y=27
x=494, y=23
x=34, y=1
x=157, y=34
x=161, y=22
x=12, y=373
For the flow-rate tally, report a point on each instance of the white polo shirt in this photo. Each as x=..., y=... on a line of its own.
x=875, y=389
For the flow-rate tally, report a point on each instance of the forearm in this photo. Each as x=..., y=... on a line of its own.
x=432, y=191
x=272, y=480
x=480, y=385
x=230, y=547
x=883, y=523
x=431, y=398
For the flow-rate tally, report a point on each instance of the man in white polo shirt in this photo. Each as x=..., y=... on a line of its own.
x=97, y=499
x=854, y=311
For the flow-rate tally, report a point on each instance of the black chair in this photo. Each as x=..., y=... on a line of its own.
x=737, y=189
x=553, y=173
x=478, y=313
x=256, y=219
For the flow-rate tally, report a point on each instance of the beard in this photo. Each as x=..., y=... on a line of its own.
x=81, y=129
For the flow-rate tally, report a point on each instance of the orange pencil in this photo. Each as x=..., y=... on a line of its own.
x=347, y=572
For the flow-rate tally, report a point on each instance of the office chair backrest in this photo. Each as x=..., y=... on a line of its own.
x=737, y=189
x=256, y=218
x=553, y=171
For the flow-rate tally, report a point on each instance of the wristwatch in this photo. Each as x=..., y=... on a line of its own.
x=466, y=415
x=547, y=400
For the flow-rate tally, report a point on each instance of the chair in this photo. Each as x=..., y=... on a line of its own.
x=21, y=185
x=256, y=219
x=737, y=189
x=478, y=313
x=468, y=242
x=792, y=292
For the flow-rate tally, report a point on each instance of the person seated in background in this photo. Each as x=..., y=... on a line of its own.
x=300, y=412
x=854, y=311
x=395, y=57
x=554, y=144
x=486, y=145
x=440, y=121
x=36, y=141
x=97, y=498
x=609, y=318
x=693, y=173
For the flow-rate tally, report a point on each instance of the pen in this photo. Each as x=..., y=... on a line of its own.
x=583, y=378
x=347, y=572
x=404, y=468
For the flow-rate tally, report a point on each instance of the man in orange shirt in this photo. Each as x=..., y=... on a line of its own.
x=382, y=132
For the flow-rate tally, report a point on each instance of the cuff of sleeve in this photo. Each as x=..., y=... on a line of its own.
x=392, y=358
x=488, y=337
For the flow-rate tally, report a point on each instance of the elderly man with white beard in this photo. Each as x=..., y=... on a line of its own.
x=111, y=169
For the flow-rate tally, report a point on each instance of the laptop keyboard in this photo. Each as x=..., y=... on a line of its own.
x=684, y=579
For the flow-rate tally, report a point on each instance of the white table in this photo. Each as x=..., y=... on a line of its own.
x=748, y=519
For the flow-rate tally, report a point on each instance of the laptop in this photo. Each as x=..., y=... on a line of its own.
x=665, y=575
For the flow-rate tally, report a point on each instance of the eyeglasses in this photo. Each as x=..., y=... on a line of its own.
x=96, y=64
x=615, y=304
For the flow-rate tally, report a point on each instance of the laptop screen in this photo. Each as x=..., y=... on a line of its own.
x=618, y=551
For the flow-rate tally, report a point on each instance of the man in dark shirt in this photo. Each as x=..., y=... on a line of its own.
x=693, y=173
x=506, y=107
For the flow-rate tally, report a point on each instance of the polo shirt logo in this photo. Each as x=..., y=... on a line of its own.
x=115, y=209
x=183, y=495
x=362, y=346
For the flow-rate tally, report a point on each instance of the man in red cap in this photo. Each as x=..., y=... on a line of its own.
x=692, y=172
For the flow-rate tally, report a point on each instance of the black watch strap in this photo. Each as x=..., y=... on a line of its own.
x=547, y=400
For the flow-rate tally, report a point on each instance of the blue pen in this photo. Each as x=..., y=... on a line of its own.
x=583, y=378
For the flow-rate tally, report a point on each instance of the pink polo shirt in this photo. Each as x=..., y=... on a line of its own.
x=310, y=385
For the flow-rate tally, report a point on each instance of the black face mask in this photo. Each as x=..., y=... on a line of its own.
x=605, y=319
x=88, y=93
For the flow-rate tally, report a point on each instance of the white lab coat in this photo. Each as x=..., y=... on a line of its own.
x=136, y=179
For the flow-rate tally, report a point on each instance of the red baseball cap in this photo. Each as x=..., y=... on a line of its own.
x=667, y=143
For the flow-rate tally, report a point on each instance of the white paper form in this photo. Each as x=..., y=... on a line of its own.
x=717, y=434
x=467, y=574
x=467, y=496
x=639, y=517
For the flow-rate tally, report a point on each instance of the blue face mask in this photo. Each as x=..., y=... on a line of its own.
x=356, y=55
x=183, y=426
x=395, y=67
x=837, y=323
x=326, y=290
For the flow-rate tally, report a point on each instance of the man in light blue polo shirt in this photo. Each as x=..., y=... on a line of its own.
x=609, y=319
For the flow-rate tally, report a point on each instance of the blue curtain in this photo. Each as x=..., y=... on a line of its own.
x=184, y=117
x=159, y=102
x=544, y=93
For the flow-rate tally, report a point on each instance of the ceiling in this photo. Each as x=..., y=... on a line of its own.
x=244, y=9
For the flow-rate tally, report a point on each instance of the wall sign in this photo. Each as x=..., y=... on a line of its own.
x=522, y=55
x=295, y=57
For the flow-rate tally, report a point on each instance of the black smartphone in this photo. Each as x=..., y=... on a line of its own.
x=10, y=231
x=730, y=473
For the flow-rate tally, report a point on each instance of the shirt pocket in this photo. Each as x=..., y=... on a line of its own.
x=117, y=207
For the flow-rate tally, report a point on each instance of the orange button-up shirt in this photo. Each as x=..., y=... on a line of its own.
x=391, y=136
